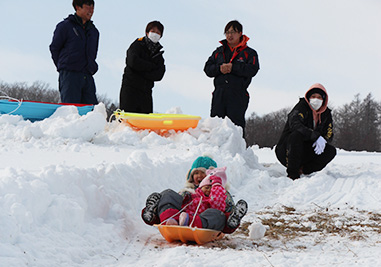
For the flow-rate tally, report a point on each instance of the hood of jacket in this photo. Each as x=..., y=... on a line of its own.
x=242, y=45
x=317, y=113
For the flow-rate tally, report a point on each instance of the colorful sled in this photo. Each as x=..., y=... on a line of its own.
x=186, y=234
x=34, y=110
x=158, y=121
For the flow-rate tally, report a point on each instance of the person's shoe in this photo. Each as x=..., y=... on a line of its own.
x=293, y=177
x=171, y=221
x=150, y=210
x=184, y=219
x=235, y=217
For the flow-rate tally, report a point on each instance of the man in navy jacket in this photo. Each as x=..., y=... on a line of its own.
x=74, y=49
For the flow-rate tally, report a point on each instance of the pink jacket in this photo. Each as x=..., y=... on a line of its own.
x=216, y=200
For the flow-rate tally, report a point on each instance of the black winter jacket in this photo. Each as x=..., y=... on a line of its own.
x=142, y=69
x=301, y=119
x=245, y=66
x=74, y=46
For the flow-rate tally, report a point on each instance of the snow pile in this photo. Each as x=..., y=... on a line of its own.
x=72, y=188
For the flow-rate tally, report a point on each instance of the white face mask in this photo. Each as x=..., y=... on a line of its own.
x=154, y=37
x=316, y=103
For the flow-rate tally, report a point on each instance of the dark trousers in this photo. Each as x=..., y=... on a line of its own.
x=135, y=100
x=232, y=103
x=298, y=156
x=77, y=87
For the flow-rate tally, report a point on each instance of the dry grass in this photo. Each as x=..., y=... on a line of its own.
x=286, y=224
x=288, y=228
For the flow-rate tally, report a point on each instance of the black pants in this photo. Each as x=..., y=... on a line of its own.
x=137, y=100
x=232, y=103
x=299, y=156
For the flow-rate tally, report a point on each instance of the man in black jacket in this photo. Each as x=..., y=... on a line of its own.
x=304, y=144
x=74, y=49
x=144, y=66
x=232, y=66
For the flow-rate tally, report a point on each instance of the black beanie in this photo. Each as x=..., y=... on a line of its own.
x=316, y=91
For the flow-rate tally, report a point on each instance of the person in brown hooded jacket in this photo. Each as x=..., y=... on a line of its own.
x=304, y=146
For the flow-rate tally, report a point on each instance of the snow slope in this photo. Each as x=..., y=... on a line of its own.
x=72, y=188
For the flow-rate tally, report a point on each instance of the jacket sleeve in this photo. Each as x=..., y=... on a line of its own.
x=218, y=198
x=212, y=66
x=58, y=41
x=248, y=68
x=135, y=61
x=297, y=122
x=157, y=73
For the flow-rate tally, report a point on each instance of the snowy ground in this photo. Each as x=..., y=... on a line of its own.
x=72, y=188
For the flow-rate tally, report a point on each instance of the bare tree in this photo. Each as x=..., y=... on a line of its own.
x=265, y=131
x=357, y=125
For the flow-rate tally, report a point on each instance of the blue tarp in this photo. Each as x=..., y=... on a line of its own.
x=35, y=111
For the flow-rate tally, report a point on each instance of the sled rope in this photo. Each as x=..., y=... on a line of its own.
x=177, y=212
x=11, y=98
x=194, y=216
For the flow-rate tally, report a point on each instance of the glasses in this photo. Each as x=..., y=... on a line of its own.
x=231, y=32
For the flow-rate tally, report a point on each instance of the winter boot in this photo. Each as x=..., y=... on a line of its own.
x=235, y=217
x=171, y=221
x=184, y=219
x=149, y=213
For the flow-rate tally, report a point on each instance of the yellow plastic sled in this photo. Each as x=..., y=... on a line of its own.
x=158, y=121
x=186, y=234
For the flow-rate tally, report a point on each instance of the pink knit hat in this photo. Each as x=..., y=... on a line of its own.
x=217, y=175
x=206, y=181
x=219, y=172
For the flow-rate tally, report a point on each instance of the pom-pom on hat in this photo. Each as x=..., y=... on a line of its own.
x=201, y=163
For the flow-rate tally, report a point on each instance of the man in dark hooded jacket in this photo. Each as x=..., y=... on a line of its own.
x=304, y=144
x=144, y=66
x=74, y=49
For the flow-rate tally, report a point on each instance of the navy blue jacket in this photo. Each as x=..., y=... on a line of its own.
x=74, y=46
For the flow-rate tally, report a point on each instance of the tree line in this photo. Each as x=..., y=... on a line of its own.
x=357, y=125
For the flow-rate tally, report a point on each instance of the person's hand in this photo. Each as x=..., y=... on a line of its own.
x=319, y=145
x=226, y=68
x=187, y=197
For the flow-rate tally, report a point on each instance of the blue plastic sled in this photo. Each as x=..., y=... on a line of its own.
x=35, y=111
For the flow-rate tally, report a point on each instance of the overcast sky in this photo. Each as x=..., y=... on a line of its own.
x=334, y=42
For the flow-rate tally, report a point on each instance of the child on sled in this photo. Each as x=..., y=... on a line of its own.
x=209, y=194
x=213, y=215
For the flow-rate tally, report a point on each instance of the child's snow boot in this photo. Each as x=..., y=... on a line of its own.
x=235, y=217
x=184, y=219
x=171, y=221
x=149, y=213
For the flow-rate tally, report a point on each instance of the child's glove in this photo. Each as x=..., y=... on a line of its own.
x=187, y=197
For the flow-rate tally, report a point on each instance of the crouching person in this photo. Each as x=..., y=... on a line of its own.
x=304, y=146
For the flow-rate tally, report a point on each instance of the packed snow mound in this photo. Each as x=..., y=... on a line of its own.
x=72, y=187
